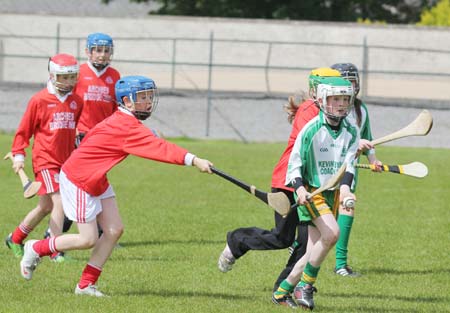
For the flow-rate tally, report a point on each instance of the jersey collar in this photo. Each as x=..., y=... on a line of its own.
x=93, y=69
x=333, y=133
x=51, y=90
x=122, y=109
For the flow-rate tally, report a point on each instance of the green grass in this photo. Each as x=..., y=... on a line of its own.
x=176, y=221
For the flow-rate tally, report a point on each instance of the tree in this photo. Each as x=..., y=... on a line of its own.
x=390, y=11
x=438, y=15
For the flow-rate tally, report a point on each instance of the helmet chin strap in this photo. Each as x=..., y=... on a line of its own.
x=334, y=119
x=141, y=115
x=99, y=67
x=59, y=89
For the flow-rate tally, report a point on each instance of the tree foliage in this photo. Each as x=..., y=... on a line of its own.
x=390, y=11
x=439, y=15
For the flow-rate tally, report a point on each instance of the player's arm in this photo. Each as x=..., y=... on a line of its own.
x=23, y=134
x=365, y=142
x=143, y=143
x=294, y=177
x=350, y=157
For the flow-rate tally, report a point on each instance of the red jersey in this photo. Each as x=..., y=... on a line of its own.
x=110, y=142
x=52, y=121
x=306, y=111
x=97, y=91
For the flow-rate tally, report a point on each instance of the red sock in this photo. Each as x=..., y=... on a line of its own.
x=20, y=233
x=45, y=247
x=89, y=276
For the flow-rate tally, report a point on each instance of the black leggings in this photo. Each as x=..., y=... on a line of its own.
x=282, y=236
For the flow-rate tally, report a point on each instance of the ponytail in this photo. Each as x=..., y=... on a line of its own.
x=292, y=106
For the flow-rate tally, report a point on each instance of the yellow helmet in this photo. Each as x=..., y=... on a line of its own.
x=317, y=75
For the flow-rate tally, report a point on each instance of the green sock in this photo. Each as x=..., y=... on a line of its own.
x=309, y=275
x=345, y=223
x=284, y=289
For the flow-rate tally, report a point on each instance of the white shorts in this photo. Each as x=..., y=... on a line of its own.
x=79, y=206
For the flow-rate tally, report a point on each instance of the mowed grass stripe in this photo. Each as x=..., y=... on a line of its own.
x=176, y=221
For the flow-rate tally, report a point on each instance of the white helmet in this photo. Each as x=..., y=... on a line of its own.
x=63, y=64
x=334, y=86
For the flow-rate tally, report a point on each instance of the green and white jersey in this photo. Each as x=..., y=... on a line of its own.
x=364, y=129
x=365, y=133
x=319, y=151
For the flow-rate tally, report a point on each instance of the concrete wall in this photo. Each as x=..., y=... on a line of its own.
x=234, y=116
x=302, y=57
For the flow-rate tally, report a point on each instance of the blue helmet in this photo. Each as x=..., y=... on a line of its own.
x=103, y=45
x=131, y=86
x=98, y=39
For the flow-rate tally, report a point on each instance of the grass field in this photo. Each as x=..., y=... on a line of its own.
x=176, y=221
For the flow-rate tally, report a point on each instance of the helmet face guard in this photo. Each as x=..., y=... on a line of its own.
x=64, y=83
x=100, y=49
x=339, y=105
x=145, y=103
x=142, y=93
x=348, y=71
x=63, y=70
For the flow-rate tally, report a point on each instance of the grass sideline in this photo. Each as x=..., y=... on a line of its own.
x=176, y=221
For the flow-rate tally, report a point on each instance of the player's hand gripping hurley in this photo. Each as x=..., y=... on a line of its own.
x=414, y=169
x=332, y=182
x=30, y=188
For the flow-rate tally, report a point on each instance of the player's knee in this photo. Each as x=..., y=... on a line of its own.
x=45, y=209
x=114, y=232
x=45, y=205
x=88, y=242
x=330, y=237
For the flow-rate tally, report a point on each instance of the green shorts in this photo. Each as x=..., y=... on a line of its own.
x=326, y=202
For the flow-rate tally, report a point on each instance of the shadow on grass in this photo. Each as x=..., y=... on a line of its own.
x=415, y=299
x=365, y=309
x=184, y=294
x=170, y=242
x=391, y=271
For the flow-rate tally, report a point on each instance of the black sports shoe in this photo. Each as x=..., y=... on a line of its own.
x=346, y=271
x=304, y=296
x=285, y=300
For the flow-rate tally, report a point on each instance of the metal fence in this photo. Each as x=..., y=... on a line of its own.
x=210, y=65
x=209, y=58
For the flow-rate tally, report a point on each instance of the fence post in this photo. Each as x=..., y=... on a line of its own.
x=2, y=59
x=266, y=70
x=78, y=49
x=58, y=29
x=210, y=65
x=174, y=60
x=365, y=68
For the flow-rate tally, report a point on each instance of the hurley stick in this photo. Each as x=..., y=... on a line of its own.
x=332, y=182
x=30, y=188
x=414, y=169
x=276, y=200
x=419, y=127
